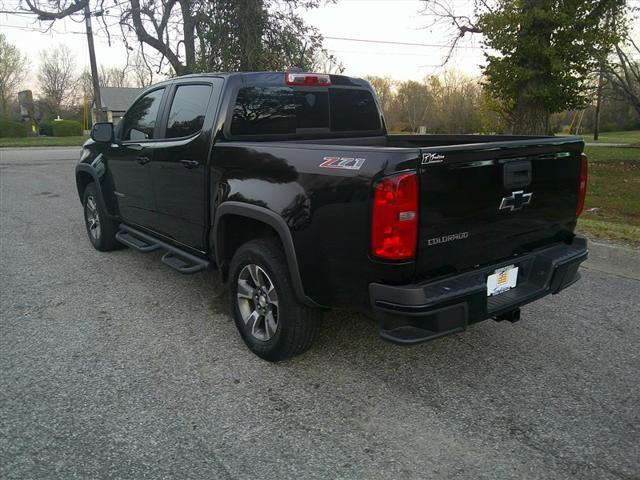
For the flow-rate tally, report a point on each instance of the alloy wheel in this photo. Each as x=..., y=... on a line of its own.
x=257, y=301
x=93, y=218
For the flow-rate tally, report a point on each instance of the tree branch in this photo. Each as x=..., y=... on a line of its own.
x=155, y=42
x=75, y=7
x=463, y=24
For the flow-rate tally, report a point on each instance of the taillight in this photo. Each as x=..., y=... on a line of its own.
x=394, y=226
x=308, y=79
x=582, y=188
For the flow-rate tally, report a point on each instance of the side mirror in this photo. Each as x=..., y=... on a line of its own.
x=102, y=132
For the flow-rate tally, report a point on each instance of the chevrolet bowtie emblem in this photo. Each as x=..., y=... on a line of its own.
x=516, y=201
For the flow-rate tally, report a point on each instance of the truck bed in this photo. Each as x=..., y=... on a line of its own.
x=429, y=141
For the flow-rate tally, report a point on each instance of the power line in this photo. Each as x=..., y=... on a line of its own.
x=50, y=30
x=44, y=30
x=389, y=42
x=345, y=39
x=376, y=53
x=11, y=12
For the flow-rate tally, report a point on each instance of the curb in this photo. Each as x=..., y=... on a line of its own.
x=614, y=259
x=52, y=147
x=606, y=144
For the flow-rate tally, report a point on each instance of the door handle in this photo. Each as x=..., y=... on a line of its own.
x=143, y=160
x=517, y=174
x=189, y=163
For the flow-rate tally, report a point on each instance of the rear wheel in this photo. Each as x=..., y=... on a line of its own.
x=100, y=228
x=270, y=319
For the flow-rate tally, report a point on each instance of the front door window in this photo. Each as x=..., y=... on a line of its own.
x=140, y=121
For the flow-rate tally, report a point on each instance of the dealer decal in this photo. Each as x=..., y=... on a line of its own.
x=345, y=163
x=429, y=158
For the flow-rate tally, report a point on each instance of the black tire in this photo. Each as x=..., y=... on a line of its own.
x=102, y=238
x=297, y=324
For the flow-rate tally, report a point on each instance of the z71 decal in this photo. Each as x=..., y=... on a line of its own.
x=344, y=163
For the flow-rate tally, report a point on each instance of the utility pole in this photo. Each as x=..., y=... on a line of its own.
x=596, y=120
x=94, y=68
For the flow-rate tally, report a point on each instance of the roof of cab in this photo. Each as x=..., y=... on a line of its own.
x=263, y=77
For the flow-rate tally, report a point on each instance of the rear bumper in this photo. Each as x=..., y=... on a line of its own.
x=416, y=313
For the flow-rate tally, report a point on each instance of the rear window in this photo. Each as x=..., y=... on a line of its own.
x=261, y=110
x=353, y=110
x=283, y=110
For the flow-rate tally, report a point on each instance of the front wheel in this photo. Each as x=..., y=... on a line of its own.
x=100, y=228
x=270, y=319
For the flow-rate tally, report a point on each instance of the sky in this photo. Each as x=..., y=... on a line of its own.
x=341, y=23
x=391, y=21
x=373, y=20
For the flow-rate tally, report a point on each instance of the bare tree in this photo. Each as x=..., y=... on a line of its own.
x=57, y=76
x=383, y=86
x=13, y=70
x=114, y=76
x=231, y=34
x=450, y=102
x=108, y=77
x=624, y=74
x=324, y=62
x=142, y=72
x=168, y=26
x=460, y=26
x=415, y=101
x=457, y=100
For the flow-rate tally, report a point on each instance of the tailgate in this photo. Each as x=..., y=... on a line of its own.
x=486, y=202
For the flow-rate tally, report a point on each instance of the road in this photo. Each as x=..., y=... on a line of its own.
x=115, y=366
x=606, y=144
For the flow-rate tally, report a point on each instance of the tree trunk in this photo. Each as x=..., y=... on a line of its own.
x=596, y=120
x=251, y=30
x=188, y=27
x=5, y=109
x=529, y=117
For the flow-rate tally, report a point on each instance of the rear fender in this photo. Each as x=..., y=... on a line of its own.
x=271, y=219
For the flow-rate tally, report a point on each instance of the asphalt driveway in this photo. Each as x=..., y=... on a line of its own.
x=114, y=366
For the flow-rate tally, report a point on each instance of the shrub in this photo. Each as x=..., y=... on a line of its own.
x=66, y=128
x=12, y=129
x=46, y=128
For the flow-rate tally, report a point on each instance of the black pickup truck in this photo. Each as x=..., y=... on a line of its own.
x=288, y=187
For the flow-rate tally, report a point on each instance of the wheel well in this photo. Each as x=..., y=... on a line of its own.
x=82, y=180
x=235, y=231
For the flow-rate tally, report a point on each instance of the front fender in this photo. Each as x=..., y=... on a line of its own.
x=96, y=171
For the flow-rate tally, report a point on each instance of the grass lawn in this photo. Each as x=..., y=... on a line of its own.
x=42, y=142
x=615, y=154
x=614, y=190
x=630, y=136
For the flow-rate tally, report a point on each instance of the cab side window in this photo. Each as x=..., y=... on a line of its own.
x=140, y=120
x=188, y=110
